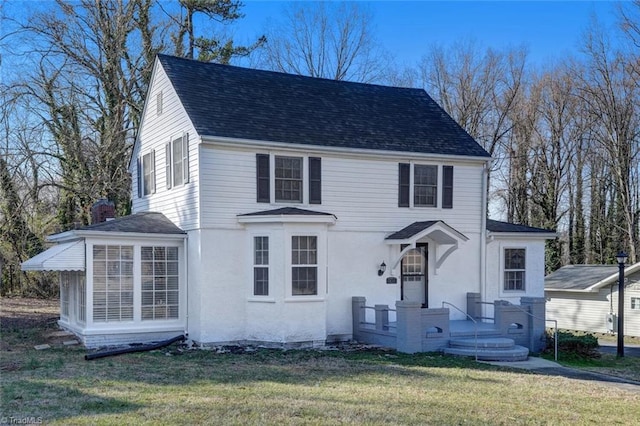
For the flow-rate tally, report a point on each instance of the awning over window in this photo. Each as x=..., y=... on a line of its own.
x=61, y=257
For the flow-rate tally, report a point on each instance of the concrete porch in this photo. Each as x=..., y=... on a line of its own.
x=410, y=328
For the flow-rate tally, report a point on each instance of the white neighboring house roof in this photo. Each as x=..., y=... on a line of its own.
x=585, y=278
x=68, y=256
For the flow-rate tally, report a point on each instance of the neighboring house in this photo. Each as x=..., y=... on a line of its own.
x=276, y=199
x=585, y=298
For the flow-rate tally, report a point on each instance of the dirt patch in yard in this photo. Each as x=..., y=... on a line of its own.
x=22, y=313
x=25, y=322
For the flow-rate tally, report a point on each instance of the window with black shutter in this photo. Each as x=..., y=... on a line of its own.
x=403, y=184
x=315, y=180
x=447, y=187
x=262, y=178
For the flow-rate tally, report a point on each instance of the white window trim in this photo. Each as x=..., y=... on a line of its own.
x=637, y=303
x=152, y=157
x=504, y=291
x=439, y=181
x=169, y=168
x=321, y=266
x=269, y=294
x=270, y=298
x=136, y=324
x=272, y=178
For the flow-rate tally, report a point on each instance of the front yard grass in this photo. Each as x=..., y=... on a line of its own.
x=289, y=387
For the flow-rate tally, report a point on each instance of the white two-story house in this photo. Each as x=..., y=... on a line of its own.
x=263, y=202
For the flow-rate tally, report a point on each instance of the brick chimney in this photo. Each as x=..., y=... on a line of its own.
x=102, y=210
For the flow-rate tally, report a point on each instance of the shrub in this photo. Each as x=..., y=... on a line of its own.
x=584, y=346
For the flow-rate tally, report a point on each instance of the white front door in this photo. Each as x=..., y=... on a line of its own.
x=414, y=276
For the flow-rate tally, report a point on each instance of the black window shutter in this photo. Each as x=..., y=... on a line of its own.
x=262, y=175
x=403, y=185
x=447, y=187
x=315, y=180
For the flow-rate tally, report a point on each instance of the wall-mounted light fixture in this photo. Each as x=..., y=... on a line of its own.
x=383, y=267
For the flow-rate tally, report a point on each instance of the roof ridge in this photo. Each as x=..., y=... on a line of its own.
x=282, y=73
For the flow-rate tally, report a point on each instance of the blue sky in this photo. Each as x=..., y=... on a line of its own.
x=550, y=29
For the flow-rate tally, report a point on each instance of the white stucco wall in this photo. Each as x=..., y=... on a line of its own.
x=534, y=276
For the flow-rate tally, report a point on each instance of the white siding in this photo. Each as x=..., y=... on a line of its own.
x=361, y=192
x=179, y=204
x=588, y=311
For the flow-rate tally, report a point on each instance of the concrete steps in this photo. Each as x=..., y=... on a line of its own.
x=488, y=349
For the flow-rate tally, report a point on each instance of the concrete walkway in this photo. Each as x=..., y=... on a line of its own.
x=551, y=368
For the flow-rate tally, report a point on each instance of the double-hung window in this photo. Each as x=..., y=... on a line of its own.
x=421, y=185
x=635, y=303
x=514, y=269
x=283, y=179
x=288, y=179
x=147, y=174
x=177, y=161
x=304, y=265
x=260, y=266
x=425, y=186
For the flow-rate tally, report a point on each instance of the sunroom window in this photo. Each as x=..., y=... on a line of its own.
x=160, y=290
x=112, y=283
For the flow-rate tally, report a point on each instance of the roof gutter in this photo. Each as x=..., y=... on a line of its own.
x=75, y=234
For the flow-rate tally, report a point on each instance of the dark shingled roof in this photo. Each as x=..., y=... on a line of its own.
x=497, y=226
x=411, y=230
x=245, y=103
x=286, y=211
x=578, y=277
x=147, y=223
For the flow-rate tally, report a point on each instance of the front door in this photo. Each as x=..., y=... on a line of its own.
x=414, y=286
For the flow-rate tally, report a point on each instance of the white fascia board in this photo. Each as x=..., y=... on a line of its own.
x=613, y=278
x=570, y=290
x=78, y=233
x=401, y=155
x=130, y=235
x=284, y=218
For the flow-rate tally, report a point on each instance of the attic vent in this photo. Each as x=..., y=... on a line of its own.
x=159, y=103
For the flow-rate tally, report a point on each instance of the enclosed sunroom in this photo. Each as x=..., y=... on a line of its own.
x=121, y=281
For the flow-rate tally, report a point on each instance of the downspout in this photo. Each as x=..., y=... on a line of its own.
x=185, y=243
x=483, y=237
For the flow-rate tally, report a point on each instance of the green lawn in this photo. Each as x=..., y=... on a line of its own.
x=289, y=387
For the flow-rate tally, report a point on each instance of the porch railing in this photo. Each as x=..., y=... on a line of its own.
x=427, y=330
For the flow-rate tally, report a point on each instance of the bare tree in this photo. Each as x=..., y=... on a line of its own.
x=93, y=61
x=609, y=89
x=328, y=40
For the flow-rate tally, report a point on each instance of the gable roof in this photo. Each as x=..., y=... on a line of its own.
x=585, y=278
x=242, y=103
